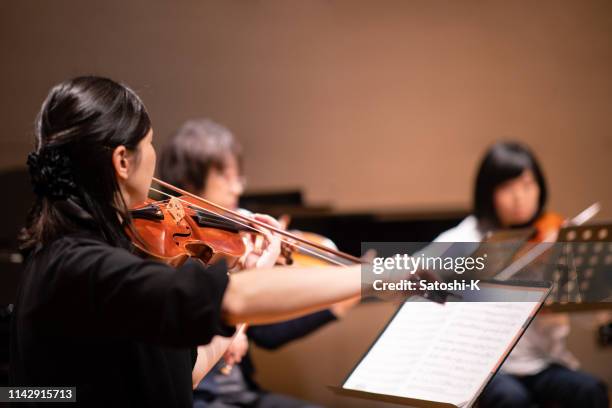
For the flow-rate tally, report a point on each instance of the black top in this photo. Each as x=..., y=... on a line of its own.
x=273, y=336
x=119, y=328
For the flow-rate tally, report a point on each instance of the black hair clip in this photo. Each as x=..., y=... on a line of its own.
x=51, y=174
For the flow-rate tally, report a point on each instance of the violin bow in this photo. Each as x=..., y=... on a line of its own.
x=247, y=221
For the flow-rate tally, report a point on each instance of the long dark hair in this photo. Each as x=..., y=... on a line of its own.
x=502, y=162
x=81, y=122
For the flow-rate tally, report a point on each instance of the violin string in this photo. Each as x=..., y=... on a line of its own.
x=295, y=244
x=206, y=210
x=305, y=249
x=235, y=214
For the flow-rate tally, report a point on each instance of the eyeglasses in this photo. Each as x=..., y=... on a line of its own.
x=231, y=178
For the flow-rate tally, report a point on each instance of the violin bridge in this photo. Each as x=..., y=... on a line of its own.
x=176, y=210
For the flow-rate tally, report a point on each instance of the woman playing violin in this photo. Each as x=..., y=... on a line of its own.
x=511, y=192
x=93, y=315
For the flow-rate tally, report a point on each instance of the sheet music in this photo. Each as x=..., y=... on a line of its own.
x=441, y=353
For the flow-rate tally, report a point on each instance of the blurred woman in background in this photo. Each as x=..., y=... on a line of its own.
x=511, y=192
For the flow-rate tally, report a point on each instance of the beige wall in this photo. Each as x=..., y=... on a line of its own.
x=361, y=103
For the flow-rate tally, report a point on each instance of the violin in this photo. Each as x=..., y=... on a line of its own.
x=545, y=233
x=174, y=230
x=547, y=226
x=188, y=226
